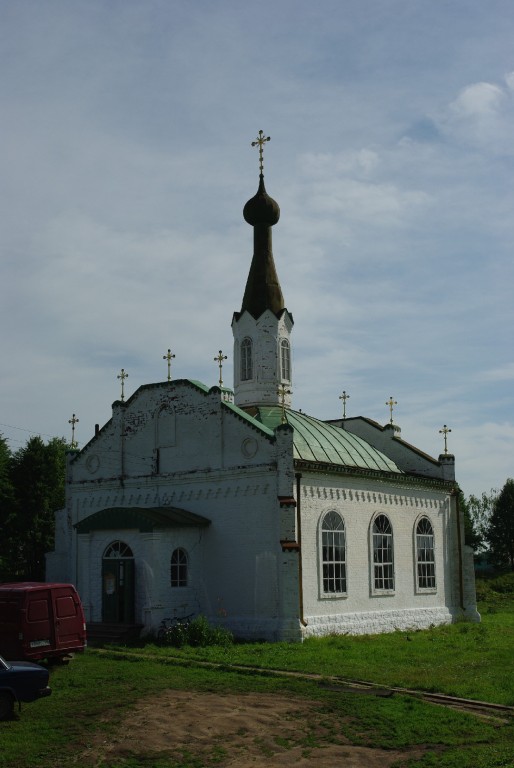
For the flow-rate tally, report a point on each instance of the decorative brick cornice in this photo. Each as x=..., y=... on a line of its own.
x=381, y=498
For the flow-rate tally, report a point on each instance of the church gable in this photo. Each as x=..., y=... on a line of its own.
x=178, y=426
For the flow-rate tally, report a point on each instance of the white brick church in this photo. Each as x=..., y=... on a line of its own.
x=230, y=504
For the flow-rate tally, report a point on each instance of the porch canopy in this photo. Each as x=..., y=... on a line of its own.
x=143, y=519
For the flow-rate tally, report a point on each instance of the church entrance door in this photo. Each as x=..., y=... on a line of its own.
x=118, y=584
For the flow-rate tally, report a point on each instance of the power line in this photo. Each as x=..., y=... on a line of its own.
x=10, y=439
x=22, y=429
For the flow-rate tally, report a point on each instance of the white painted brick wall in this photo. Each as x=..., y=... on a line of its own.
x=221, y=467
x=266, y=334
x=358, y=501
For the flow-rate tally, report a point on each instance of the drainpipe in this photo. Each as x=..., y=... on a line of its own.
x=455, y=494
x=299, y=540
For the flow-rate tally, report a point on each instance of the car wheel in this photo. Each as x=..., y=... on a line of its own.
x=6, y=705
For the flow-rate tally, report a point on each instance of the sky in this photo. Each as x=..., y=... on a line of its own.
x=126, y=160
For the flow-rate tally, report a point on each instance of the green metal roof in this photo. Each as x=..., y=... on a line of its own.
x=316, y=440
x=144, y=519
x=255, y=422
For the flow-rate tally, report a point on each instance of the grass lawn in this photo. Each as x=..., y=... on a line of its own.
x=469, y=660
x=95, y=693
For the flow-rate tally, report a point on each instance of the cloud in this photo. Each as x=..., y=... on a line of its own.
x=478, y=101
x=504, y=373
x=126, y=162
x=509, y=79
x=482, y=115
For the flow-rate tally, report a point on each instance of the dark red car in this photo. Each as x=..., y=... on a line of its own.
x=21, y=681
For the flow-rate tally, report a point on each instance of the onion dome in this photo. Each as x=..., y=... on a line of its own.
x=262, y=290
x=261, y=209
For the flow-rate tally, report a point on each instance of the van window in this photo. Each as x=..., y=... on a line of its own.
x=64, y=606
x=9, y=609
x=38, y=610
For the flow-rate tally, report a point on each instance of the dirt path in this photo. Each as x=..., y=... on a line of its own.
x=235, y=731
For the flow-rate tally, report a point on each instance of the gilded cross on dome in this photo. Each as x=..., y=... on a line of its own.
x=261, y=141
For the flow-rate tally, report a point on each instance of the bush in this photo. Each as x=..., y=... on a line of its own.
x=176, y=635
x=503, y=584
x=494, y=588
x=197, y=633
x=483, y=590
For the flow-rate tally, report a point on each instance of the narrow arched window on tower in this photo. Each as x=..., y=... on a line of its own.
x=285, y=360
x=246, y=359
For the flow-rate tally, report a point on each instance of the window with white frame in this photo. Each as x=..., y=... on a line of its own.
x=285, y=360
x=383, y=562
x=179, y=568
x=246, y=359
x=333, y=554
x=117, y=549
x=425, y=556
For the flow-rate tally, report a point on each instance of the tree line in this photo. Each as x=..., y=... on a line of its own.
x=32, y=489
x=489, y=522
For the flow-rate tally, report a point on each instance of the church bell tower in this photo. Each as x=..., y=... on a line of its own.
x=262, y=328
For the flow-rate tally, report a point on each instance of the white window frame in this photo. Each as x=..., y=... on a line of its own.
x=381, y=562
x=118, y=550
x=176, y=582
x=332, y=541
x=285, y=360
x=424, y=566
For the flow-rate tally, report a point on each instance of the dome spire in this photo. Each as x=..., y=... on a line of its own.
x=262, y=212
x=262, y=329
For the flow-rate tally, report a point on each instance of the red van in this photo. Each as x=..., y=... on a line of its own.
x=40, y=621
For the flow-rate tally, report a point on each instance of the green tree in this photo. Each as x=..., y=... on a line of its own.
x=479, y=510
x=6, y=491
x=472, y=536
x=6, y=498
x=37, y=474
x=500, y=529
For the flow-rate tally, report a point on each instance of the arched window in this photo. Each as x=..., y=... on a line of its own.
x=246, y=359
x=425, y=557
x=333, y=549
x=179, y=568
x=116, y=550
x=285, y=360
x=383, y=564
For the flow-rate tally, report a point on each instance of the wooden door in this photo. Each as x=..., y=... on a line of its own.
x=118, y=584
